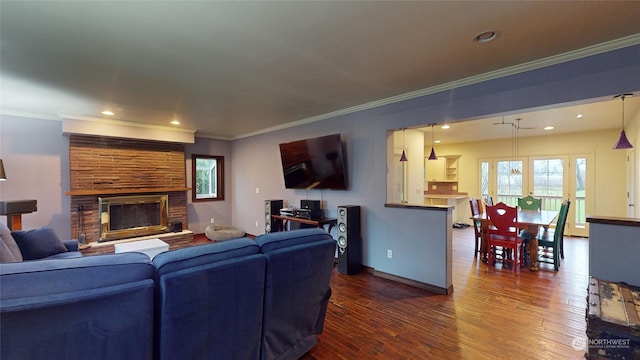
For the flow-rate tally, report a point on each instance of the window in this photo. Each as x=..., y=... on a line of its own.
x=548, y=182
x=484, y=179
x=207, y=177
x=509, y=179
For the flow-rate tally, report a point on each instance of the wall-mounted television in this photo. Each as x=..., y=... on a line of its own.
x=316, y=163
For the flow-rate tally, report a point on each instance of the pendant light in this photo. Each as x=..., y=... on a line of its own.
x=432, y=156
x=623, y=142
x=3, y=175
x=403, y=157
x=514, y=131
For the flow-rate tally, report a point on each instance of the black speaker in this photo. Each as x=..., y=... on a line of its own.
x=349, y=239
x=314, y=206
x=272, y=207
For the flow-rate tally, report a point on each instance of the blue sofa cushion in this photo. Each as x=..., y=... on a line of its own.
x=93, y=307
x=284, y=239
x=209, y=301
x=297, y=290
x=38, y=243
x=189, y=257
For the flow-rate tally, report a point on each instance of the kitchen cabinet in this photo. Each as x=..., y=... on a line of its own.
x=445, y=168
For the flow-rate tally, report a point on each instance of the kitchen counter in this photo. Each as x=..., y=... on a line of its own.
x=443, y=196
x=456, y=201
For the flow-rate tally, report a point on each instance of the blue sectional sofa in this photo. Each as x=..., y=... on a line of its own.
x=34, y=244
x=240, y=299
x=297, y=290
x=93, y=307
x=209, y=301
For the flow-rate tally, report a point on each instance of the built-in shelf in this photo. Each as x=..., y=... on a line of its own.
x=451, y=163
x=124, y=191
x=445, y=168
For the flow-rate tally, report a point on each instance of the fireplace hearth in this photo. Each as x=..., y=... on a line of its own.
x=124, y=217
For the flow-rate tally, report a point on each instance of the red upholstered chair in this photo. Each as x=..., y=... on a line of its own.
x=476, y=209
x=503, y=232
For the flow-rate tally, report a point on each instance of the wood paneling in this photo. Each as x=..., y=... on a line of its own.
x=113, y=166
x=100, y=163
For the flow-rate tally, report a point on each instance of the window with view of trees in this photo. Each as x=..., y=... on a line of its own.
x=207, y=177
x=509, y=181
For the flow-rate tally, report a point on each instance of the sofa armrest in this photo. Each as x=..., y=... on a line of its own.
x=71, y=245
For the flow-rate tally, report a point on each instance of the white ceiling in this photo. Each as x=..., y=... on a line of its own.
x=230, y=69
x=597, y=114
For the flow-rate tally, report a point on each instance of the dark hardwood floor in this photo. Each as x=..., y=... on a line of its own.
x=492, y=313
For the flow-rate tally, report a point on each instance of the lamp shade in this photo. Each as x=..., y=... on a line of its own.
x=623, y=142
x=3, y=176
x=433, y=156
x=403, y=157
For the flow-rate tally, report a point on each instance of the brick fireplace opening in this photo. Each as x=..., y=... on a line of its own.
x=130, y=216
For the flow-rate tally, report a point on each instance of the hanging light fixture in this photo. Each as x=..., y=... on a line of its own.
x=403, y=157
x=432, y=156
x=515, y=127
x=623, y=142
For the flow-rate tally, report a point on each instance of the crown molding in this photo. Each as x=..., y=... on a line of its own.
x=85, y=125
x=512, y=70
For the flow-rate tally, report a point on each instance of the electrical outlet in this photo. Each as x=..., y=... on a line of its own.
x=257, y=224
x=213, y=220
x=257, y=190
x=389, y=254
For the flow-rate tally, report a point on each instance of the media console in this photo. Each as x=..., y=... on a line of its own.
x=320, y=223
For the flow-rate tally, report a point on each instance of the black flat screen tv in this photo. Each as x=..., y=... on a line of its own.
x=316, y=163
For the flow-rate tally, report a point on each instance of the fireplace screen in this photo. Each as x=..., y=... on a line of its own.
x=124, y=217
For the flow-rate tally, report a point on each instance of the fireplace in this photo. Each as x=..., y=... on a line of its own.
x=124, y=217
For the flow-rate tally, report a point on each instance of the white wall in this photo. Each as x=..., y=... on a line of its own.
x=632, y=126
x=412, y=141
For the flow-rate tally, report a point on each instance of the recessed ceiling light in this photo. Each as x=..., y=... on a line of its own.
x=485, y=36
x=445, y=126
x=579, y=116
x=437, y=141
x=175, y=122
x=107, y=112
x=549, y=128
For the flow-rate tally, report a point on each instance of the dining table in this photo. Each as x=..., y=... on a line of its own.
x=529, y=220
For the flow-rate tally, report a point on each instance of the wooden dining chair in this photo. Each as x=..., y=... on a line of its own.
x=502, y=232
x=476, y=209
x=530, y=203
x=552, y=240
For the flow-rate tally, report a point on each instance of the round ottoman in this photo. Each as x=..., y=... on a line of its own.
x=223, y=232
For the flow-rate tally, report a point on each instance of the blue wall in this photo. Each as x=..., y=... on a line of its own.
x=256, y=162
